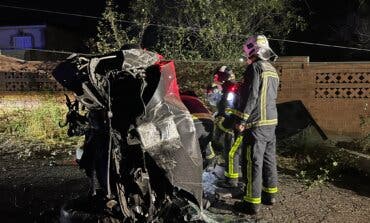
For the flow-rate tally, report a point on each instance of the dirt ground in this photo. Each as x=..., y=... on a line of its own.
x=333, y=202
x=33, y=190
x=36, y=187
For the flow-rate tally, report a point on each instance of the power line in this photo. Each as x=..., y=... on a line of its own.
x=83, y=16
x=48, y=11
x=94, y=17
x=319, y=44
x=189, y=28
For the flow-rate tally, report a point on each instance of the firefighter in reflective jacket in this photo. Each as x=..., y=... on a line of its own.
x=203, y=122
x=224, y=131
x=257, y=119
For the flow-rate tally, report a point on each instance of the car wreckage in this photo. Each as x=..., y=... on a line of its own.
x=140, y=152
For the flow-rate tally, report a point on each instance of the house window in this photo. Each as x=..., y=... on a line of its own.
x=22, y=42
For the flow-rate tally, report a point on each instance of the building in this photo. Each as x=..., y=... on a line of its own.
x=32, y=42
x=22, y=37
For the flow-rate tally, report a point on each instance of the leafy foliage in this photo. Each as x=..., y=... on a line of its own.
x=195, y=30
x=111, y=32
x=219, y=28
x=192, y=29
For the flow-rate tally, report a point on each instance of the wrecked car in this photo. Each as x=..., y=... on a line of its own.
x=140, y=151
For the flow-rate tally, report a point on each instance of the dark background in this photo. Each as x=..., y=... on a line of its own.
x=333, y=22
x=85, y=26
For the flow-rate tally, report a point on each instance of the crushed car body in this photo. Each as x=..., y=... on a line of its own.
x=140, y=151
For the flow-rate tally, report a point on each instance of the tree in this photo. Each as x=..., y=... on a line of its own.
x=111, y=34
x=196, y=29
x=216, y=29
x=116, y=28
x=142, y=13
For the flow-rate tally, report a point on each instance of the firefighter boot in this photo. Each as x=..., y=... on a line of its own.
x=268, y=198
x=209, y=163
x=247, y=208
x=228, y=183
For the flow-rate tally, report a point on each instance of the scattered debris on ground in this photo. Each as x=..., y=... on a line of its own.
x=32, y=190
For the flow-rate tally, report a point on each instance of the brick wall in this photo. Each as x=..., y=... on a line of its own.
x=28, y=81
x=336, y=94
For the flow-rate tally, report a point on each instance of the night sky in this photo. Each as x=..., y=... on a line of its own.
x=85, y=26
x=328, y=22
x=333, y=22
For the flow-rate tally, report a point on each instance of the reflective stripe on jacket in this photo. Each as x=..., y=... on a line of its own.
x=257, y=106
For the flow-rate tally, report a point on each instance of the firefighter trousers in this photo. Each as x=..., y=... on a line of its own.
x=204, y=131
x=230, y=151
x=259, y=163
x=232, y=157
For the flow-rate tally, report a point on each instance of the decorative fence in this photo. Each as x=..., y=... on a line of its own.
x=26, y=81
x=336, y=94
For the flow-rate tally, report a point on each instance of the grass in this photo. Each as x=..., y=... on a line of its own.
x=37, y=124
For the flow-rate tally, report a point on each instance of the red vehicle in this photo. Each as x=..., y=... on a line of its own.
x=141, y=150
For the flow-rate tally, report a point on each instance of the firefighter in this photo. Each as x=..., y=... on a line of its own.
x=203, y=122
x=257, y=119
x=224, y=80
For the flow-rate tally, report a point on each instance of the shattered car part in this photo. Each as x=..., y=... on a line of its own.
x=166, y=102
x=164, y=132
